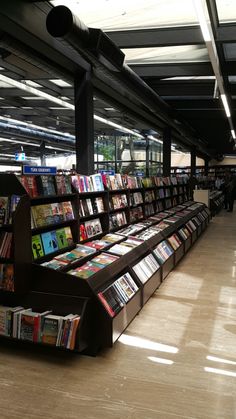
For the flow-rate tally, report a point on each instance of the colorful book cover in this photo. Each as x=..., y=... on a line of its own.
x=61, y=238
x=49, y=240
x=69, y=237
x=82, y=232
x=50, y=329
x=60, y=184
x=67, y=210
x=57, y=212
x=3, y=210
x=38, y=214
x=37, y=246
x=47, y=186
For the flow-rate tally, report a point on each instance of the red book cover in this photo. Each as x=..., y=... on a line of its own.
x=105, y=304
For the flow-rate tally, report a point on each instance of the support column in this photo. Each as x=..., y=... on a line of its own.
x=166, y=151
x=84, y=125
x=42, y=154
x=206, y=168
x=192, y=180
x=147, y=156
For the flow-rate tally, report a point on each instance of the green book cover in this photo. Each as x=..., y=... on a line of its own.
x=37, y=247
x=61, y=238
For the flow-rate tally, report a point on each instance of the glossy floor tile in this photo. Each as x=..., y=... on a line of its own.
x=177, y=359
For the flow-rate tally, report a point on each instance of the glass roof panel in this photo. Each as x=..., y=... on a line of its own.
x=226, y=10
x=162, y=55
x=132, y=14
x=230, y=51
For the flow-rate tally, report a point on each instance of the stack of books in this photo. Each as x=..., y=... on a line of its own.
x=43, y=215
x=117, y=295
x=146, y=268
x=93, y=266
x=66, y=259
x=8, y=205
x=163, y=251
x=125, y=246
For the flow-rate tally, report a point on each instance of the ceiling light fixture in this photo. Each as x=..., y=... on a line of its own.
x=233, y=134
x=226, y=106
x=62, y=103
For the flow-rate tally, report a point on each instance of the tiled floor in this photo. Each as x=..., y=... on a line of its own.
x=176, y=360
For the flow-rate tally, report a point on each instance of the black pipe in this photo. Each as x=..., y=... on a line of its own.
x=94, y=45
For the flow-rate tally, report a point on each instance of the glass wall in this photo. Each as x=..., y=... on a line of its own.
x=128, y=154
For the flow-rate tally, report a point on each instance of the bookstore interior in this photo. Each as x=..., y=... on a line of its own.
x=111, y=128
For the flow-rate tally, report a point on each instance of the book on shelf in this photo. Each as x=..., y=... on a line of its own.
x=160, y=193
x=117, y=219
x=83, y=183
x=118, y=294
x=98, y=244
x=147, y=182
x=46, y=185
x=63, y=184
x=91, y=206
x=174, y=241
x=113, y=237
x=7, y=277
x=149, y=210
x=93, y=266
x=30, y=185
x=146, y=268
x=8, y=205
x=136, y=214
x=80, y=252
x=136, y=198
x=6, y=318
x=51, y=241
x=149, y=196
x=53, y=213
x=6, y=250
x=147, y=234
x=163, y=251
x=93, y=227
x=29, y=325
x=125, y=246
x=118, y=201
x=60, y=330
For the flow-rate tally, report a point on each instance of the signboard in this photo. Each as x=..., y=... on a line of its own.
x=139, y=174
x=19, y=156
x=107, y=172
x=39, y=170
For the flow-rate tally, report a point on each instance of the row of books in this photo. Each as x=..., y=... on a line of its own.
x=116, y=220
x=8, y=205
x=163, y=251
x=118, y=294
x=92, y=183
x=90, y=229
x=91, y=206
x=146, y=268
x=125, y=246
x=5, y=244
x=95, y=265
x=136, y=198
x=136, y=214
x=175, y=241
x=118, y=201
x=45, y=185
x=46, y=328
x=149, y=196
x=46, y=214
x=51, y=241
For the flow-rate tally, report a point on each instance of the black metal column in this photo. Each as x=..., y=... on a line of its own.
x=193, y=162
x=84, y=125
x=166, y=151
x=147, y=156
x=206, y=168
x=42, y=154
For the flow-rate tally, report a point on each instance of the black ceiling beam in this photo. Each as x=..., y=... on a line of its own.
x=182, y=89
x=226, y=33
x=173, y=70
x=158, y=37
x=197, y=105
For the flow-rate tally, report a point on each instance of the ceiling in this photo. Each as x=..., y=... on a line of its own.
x=163, y=44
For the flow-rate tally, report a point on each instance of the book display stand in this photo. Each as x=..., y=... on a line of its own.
x=105, y=287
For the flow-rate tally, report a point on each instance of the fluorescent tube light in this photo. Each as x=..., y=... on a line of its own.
x=233, y=134
x=31, y=83
x=63, y=103
x=150, y=137
x=199, y=7
x=60, y=83
x=226, y=106
x=18, y=142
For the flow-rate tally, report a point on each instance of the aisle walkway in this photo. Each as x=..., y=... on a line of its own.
x=176, y=360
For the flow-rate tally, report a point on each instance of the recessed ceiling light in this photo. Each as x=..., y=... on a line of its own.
x=65, y=98
x=33, y=98
x=26, y=107
x=58, y=108
x=8, y=107
x=60, y=83
x=110, y=109
x=31, y=83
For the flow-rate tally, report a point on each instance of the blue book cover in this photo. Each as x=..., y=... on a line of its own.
x=49, y=240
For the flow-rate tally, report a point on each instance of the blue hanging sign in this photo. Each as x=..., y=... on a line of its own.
x=39, y=170
x=139, y=174
x=19, y=156
x=107, y=172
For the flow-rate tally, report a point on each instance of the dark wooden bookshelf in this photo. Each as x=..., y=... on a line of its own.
x=41, y=288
